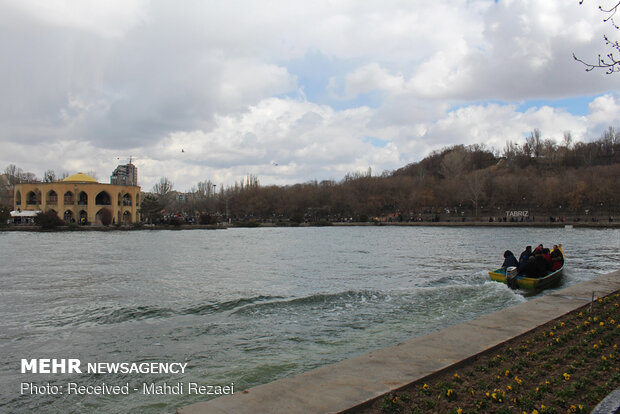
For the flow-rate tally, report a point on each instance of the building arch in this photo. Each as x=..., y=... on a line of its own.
x=51, y=197
x=68, y=216
x=103, y=199
x=18, y=198
x=83, y=217
x=137, y=199
x=31, y=198
x=83, y=198
x=126, y=217
x=127, y=200
x=68, y=197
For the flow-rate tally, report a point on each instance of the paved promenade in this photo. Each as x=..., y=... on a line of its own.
x=338, y=387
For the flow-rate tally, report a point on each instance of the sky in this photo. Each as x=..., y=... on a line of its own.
x=291, y=91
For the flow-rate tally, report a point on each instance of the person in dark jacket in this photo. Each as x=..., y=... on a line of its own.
x=523, y=258
x=557, y=258
x=534, y=268
x=509, y=260
x=543, y=263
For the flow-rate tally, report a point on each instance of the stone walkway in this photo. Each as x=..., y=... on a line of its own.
x=338, y=387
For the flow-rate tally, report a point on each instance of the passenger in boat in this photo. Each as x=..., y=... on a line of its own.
x=557, y=258
x=509, y=260
x=523, y=258
x=533, y=268
x=542, y=262
x=546, y=254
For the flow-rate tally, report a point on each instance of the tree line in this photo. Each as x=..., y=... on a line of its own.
x=545, y=178
x=548, y=179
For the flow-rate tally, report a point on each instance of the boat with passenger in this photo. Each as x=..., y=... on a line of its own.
x=515, y=279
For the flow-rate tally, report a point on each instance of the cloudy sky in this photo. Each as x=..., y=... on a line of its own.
x=290, y=91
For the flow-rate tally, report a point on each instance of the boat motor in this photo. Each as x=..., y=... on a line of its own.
x=511, y=277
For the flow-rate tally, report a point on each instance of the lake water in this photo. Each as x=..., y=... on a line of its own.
x=246, y=306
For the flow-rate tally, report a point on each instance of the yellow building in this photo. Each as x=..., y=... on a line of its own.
x=79, y=198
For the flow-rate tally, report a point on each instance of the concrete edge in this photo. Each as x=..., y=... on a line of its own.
x=609, y=405
x=354, y=383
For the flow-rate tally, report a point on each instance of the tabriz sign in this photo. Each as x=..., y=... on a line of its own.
x=517, y=213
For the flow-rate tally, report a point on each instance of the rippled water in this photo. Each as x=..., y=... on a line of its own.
x=247, y=306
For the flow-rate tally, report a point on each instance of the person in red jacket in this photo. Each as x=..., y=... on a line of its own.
x=546, y=254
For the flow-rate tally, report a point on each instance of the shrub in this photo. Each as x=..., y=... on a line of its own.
x=105, y=215
x=207, y=219
x=5, y=215
x=48, y=220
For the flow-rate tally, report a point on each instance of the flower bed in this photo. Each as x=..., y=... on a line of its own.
x=567, y=365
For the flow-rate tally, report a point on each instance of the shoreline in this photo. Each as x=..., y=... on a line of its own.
x=358, y=381
x=34, y=228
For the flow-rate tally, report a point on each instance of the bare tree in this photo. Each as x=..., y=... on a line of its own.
x=49, y=176
x=455, y=163
x=608, y=62
x=163, y=187
x=475, y=186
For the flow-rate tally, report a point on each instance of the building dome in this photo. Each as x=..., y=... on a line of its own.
x=80, y=178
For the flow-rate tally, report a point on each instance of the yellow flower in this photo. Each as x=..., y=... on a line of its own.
x=573, y=409
x=509, y=388
x=456, y=376
x=459, y=411
x=595, y=346
x=586, y=323
x=425, y=386
x=542, y=407
x=562, y=324
x=602, y=324
x=507, y=373
x=518, y=380
x=604, y=358
x=535, y=411
x=595, y=319
x=566, y=376
x=551, y=333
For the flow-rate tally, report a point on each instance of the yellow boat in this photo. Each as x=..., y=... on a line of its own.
x=499, y=275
